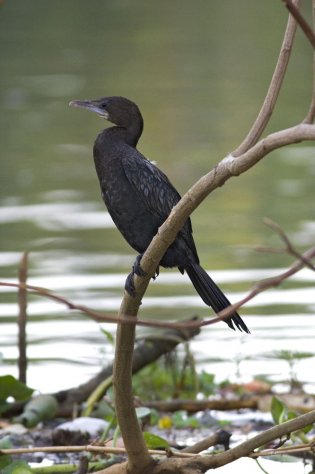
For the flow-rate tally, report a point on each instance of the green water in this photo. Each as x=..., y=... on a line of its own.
x=199, y=72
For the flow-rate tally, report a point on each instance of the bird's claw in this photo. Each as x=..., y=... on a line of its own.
x=129, y=285
x=157, y=272
x=136, y=270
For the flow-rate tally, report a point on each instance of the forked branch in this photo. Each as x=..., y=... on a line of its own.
x=248, y=154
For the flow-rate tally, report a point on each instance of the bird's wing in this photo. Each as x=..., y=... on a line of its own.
x=156, y=191
x=151, y=185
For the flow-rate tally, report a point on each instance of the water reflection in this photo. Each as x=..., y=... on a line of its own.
x=58, y=216
x=52, y=329
x=199, y=93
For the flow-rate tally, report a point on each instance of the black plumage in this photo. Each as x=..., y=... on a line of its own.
x=139, y=197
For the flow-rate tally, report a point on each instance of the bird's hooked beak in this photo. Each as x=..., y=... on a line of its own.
x=92, y=105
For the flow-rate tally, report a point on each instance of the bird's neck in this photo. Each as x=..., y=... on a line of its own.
x=129, y=135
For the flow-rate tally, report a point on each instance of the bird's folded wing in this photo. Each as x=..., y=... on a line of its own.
x=151, y=185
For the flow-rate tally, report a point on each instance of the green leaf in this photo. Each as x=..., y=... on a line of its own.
x=291, y=415
x=181, y=420
x=154, y=441
x=11, y=387
x=5, y=460
x=278, y=410
x=17, y=467
x=108, y=335
x=307, y=428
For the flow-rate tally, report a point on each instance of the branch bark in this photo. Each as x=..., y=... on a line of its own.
x=227, y=168
x=274, y=88
x=248, y=154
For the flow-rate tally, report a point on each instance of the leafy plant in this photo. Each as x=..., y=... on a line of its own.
x=281, y=413
x=176, y=377
x=11, y=387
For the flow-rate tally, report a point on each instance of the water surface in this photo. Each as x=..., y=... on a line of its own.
x=199, y=72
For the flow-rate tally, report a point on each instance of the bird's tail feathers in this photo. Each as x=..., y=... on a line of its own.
x=212, y=295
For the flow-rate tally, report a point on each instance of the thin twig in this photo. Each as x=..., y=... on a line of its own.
x=303, y=260
x=247, y=447
x=289, y=248
x=91, y=449
x=305, y=27
x=300, y=448
x=274, y=88
x=22, y=302
x=267, y=283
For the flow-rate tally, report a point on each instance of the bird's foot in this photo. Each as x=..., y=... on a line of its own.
x=136, y=270
x=157, y=272
x=130, y=285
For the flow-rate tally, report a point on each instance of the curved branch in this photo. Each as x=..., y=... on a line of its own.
x=226, y=168
x=305, y=27
x=303, y=260
x=166, y=234
x=274, y=88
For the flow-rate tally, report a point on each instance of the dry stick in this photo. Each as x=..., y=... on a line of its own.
x=273, y=281
x=190, y=452
x=203, y=463
x=303, y=260
x=289, y=248
x=300, y=448
x=246, y=448
x=90, y=449
x=22, y=302
x=193, y=406
x=220, y=437
x=309, y=33
x=273, y=90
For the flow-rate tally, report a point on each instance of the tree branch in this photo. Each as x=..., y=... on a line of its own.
x=305, y=27
x=274, y=88
x=289, y=248
x=166, y=234
x=302, y=260
x=246, y=448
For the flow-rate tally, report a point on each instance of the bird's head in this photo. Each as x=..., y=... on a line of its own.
x=118, y=110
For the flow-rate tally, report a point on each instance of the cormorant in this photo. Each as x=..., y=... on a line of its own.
x=139, y=198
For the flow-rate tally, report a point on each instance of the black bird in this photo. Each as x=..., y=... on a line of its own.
x=139, y=197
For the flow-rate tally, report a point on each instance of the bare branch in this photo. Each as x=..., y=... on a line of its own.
x=300, y=448
x=303, y=260
x=289, y=248
x=91, y=448
x=265, y=284
x=22, y=300
x=307, y=30
x=246, y=448
x=274, y=88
